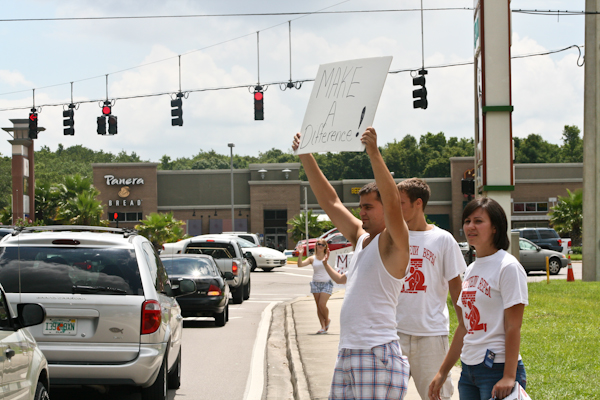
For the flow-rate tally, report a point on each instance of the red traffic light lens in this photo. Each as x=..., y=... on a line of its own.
x=258, y=96
x=106, y=110
x=116, y=216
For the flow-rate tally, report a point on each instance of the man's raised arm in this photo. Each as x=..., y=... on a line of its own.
x=349, y=226
x=395, y=250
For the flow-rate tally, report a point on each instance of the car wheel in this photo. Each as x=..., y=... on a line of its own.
x=252, y=263
x=41, y=393
x=238, y=295
x=174, y=379
x=221, y=318
x=267, y=269
x=247, y=290
x=554, y=266
x=158, y=390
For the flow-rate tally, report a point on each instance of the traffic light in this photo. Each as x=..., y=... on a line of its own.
x=112, y=124
x=259, y=111
x=106, y=109
x=101, y=125
x=177, y=112
x=420, y=94
x=33, y=124
x=69, y=122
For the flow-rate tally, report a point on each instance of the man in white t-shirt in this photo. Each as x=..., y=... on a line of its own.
x=370, y=364
x=436, y=264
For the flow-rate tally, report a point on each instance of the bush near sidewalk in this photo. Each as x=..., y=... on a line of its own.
x=560, y=340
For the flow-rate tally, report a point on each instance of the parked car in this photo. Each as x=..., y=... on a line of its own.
x=334, y=239
x=546, y=238
x=211, y=298
x=112, y=317
x=229, y=257
x=533, y=258
x=24, y=369
x=251, y=237
x=264, y=258
x=464, y=249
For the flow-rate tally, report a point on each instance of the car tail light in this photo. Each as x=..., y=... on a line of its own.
x=214, y=291
x=569, y=244
x=67, y=242
x=234, y=268
x=151, y=316
x=560, y=242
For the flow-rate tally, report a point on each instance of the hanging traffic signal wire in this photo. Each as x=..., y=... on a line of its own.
x=290, y=84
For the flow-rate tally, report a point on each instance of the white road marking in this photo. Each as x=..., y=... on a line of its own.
x=287, y=273
x=256, y=379
x=269, y=301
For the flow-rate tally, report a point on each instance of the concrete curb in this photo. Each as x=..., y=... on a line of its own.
x=298, y=376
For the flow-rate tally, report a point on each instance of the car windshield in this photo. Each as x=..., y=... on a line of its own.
x=244, y=243
x=195, y=267
x=61, y=269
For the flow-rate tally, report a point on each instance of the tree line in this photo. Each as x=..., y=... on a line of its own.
x=429, y=156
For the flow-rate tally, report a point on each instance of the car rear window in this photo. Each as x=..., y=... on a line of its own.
x=59, y=269
x=195, y=267
x=530, y=234
x=214, y=249
x=548, y=234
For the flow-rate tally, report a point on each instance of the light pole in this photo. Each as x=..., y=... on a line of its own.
x=231, y=146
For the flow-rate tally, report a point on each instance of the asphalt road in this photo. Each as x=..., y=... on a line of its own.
x=216, y=361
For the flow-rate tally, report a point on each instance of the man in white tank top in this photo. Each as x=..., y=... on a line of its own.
x=370, y=363
x=436, y=263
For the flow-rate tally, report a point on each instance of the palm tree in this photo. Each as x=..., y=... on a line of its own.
x=298, y=229
x=47, y=199
x=567, y=216
x=84, y=209
x=161, y=228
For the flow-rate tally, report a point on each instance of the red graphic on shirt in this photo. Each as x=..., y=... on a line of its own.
x=415, y=282
x=473, y=316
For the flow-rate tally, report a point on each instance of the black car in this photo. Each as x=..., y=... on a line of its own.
x=211, y=298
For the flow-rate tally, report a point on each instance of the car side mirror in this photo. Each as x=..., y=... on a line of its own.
x=248, y=254
x=228, y=275
x=30, y=314
x=184, y=286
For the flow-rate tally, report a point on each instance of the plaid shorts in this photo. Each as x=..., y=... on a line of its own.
x=379, y=373
x=321, y=287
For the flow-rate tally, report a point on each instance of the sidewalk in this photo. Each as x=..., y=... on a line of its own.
x=310, y=357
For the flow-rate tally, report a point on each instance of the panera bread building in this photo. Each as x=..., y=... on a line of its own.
x=266, y=196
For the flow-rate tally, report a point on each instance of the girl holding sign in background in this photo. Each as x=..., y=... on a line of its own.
x=321, y=286
x=493, y=298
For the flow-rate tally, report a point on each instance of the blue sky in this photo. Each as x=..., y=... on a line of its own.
x=47, y=55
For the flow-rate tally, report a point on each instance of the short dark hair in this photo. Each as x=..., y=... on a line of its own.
x=497, y=218
x=370, y=188
x=415, y=188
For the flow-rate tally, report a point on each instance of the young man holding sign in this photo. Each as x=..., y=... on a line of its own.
x=370, y=363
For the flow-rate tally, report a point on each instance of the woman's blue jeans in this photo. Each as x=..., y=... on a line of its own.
x=477, y=381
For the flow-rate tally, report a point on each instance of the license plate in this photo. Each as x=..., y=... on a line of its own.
x=60, y=326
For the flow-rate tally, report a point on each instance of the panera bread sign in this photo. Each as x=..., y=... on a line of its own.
x=125, y=190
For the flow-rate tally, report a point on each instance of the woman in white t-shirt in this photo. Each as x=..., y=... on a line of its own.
x=321, y=286
x=493, y=298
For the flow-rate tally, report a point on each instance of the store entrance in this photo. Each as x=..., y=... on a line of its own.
x=276, y=229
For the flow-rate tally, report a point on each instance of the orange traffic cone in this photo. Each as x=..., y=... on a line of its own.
x=570, y=277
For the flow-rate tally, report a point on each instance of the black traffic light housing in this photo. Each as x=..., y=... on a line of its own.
x=420, y=94
x=69, y=121
x=259, y=110
x=112, y=124
x=101, y=125
x=177, y=111
x=33, y=124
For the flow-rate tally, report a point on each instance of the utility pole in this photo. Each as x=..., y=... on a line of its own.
x=591, y=146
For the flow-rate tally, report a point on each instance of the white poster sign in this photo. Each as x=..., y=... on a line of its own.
x=342, y=104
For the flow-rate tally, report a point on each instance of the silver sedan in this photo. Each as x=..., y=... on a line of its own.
x=533, y=258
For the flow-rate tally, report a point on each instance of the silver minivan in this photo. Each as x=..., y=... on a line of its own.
x=111, y=313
